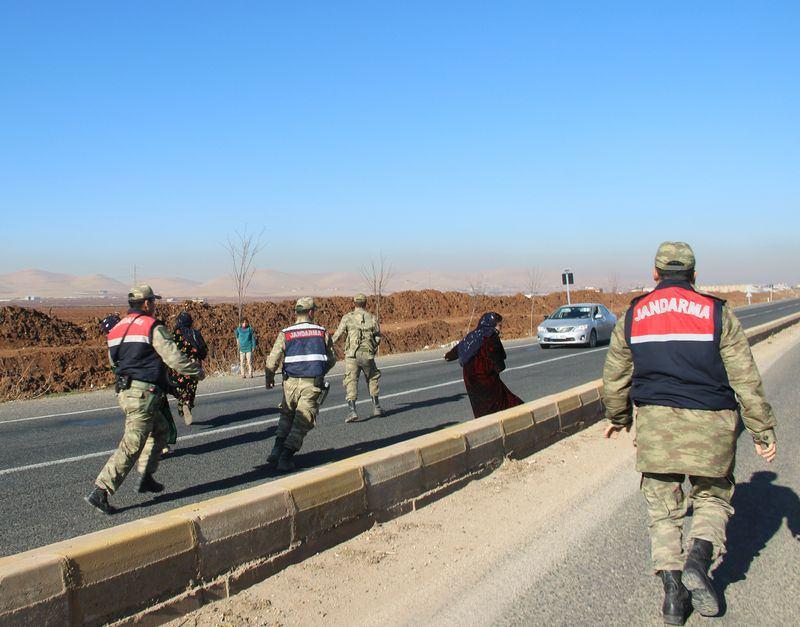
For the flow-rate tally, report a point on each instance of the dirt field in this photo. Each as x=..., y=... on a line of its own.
x=61, y=349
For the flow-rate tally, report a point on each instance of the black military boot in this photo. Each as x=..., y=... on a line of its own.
x=148, y=484
x=285, y=461
x=98, y=498
x=275, y=453
x=676, y=598
x=696, y=579
x=376, y=407
x=353, y=417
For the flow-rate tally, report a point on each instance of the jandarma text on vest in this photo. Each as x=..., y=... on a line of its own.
x=666, y=305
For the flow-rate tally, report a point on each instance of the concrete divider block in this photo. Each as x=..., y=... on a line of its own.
x=519, y=438
x=392, y=476
x=325, y=497
x=570, y=412
x=240, y=527
x=484, y=437
x=547, y=425
x=123, y=569
x=592, y=403
x=33, y=589
x=443, y=455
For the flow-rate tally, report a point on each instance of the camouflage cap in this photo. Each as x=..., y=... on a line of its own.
x=304, y=304
x=360, y=298
x=142, y=292
x=675, y=256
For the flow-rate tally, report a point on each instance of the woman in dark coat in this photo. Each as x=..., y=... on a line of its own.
x=190, y=341
x=483, y=358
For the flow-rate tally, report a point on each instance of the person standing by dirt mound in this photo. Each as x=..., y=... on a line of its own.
x=483, y=358
x=191, y=343
x=363, y=334
x=140, y=348
x=246, y=339
x=305, y=352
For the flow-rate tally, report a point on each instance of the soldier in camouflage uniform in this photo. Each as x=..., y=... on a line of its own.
x=304, y=351
x=139, y=347
x=363, y=336
x=680, y=365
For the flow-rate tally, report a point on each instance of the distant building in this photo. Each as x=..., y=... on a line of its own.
x=32, y=298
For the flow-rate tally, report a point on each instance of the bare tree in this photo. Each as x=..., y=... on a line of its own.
x=242, y=248
x=377, y=276
x=613, y=282
x=477, y=292
x=534, y=282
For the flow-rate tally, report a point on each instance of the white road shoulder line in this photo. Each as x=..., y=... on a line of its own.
x=259, y=423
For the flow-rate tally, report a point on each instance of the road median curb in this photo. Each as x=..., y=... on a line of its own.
x=156, y=568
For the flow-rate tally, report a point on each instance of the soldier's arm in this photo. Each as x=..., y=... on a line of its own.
x=275, y=359
x=745, y=380
x=376, y=330
x=171, y=355
x=617, y=377
x=331, y=354
x=342, y=328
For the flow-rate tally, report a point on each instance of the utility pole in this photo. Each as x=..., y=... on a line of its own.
x=135, y=282
x=567, y=279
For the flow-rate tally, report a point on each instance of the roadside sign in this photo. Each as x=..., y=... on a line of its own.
x=567, y=278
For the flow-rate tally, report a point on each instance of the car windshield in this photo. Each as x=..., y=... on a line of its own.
x=571, y=312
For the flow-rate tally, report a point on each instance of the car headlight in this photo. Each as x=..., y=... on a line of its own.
x=541, y=329
x=582, y=327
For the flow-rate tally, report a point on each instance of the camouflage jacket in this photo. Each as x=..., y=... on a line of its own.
x=362, y=330
x=690, y=441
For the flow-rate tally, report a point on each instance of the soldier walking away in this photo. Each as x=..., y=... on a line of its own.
x=680, y=365
x=247, y=341
x=361, y=344
x=305, y=353
x=140, y=348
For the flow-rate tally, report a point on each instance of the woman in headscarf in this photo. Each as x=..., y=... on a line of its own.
x=190, y=341
x=483, y=358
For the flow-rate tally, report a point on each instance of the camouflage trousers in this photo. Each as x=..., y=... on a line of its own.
x=353, y=367
x=667, y=505
x=146, y=433
x=298, y=408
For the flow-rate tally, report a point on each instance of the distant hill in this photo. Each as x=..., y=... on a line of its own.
x=269, y=283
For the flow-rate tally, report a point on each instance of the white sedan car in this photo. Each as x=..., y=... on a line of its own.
x=584, y=324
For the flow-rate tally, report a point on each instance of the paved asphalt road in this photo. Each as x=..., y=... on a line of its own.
x=51, y=450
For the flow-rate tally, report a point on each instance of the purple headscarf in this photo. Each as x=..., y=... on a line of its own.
x=471, y=344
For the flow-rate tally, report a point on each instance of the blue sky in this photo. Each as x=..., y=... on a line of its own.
x=454, y=136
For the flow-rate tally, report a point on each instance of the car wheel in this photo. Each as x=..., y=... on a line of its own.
x=544, y=345
x=593, y=339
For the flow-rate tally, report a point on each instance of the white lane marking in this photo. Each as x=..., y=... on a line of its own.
x=183, y=438
x=259, y=423
x=207, y=394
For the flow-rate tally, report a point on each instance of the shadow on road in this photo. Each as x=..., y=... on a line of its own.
x=216, y=445
x=761, y=507
x=239, y=416
x=404, y=407
x=304, y=461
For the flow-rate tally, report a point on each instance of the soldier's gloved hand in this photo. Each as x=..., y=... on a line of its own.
x=319, y=382
x=269, y=378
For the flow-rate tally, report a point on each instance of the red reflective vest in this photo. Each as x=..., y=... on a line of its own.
x=130, y=344
x=674, y=335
